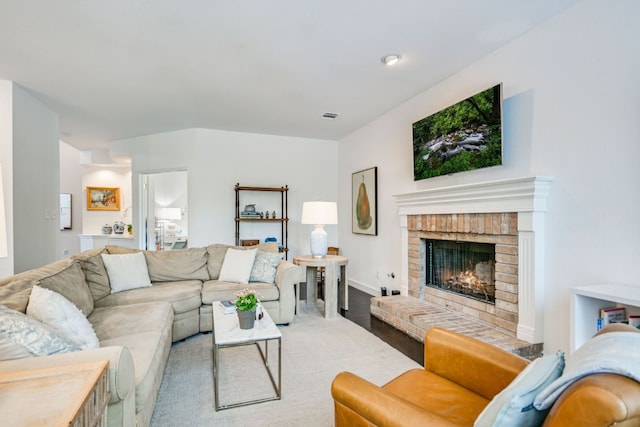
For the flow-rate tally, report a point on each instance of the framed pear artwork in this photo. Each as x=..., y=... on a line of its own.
x=364, y=190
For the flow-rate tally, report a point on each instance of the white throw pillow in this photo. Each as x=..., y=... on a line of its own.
x=513, y=406
x=237, y=265
x=22, y=336
x=62, y=316
x=126, y=271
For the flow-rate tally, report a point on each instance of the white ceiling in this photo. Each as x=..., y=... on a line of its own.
x=122, y=68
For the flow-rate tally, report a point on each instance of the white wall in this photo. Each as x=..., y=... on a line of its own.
x=6, y=158
x=71, y=182
x=216, y=160
x=36, y=181
x=571, y=110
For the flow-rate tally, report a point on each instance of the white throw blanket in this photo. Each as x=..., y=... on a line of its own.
x=613, y=352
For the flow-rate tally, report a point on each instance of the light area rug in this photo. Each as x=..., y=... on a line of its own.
x=314, y=351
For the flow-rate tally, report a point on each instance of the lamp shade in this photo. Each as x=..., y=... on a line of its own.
x=319, y=212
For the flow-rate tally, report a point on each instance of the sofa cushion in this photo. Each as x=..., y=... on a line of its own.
x=513, y=406
x=22, y=336
x=264, y=267
x=67, y=279
x=15, y=294
x=62, y=316
x=217, y=252
x=94, y=272
x=126, y=271
x=171, y=266
x=417, y=385
x=237, y=265
x=184, y=296
x=145, y=329
x=217, y=290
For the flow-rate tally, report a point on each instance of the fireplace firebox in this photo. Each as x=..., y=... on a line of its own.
x=465, y=268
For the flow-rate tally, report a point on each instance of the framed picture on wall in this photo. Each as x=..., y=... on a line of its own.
x=364, y=201
x=103, y=198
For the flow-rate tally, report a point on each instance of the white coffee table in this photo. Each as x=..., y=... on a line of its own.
x=227, y=333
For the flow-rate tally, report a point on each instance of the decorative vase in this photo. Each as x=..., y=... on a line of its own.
x=246, y=318
x=107, y=229
x=118, y=227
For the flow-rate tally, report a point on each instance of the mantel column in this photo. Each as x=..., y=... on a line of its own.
x=531, y=276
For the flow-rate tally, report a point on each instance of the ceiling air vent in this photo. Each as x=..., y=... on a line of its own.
x=329, y=116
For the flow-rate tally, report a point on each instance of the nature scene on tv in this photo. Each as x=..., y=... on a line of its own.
x=462, y=137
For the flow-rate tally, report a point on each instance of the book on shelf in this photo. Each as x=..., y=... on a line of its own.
x=634, y=320
x=613, y=315
x=228, y=306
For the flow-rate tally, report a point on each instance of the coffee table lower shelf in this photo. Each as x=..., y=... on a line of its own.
x=227, y=333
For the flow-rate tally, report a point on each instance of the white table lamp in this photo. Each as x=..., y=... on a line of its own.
x=319, y=214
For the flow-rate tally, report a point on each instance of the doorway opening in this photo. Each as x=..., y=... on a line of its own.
x=165, y=210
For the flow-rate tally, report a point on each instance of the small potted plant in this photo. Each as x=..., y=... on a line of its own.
x=246, y=304
x=130, y=229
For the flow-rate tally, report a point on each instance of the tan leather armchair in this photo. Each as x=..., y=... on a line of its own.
x=460, y=377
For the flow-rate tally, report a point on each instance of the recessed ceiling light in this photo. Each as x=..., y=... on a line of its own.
x=391, y=59
x=329, y=116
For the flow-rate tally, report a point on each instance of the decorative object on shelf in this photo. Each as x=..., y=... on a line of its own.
x=319, y=214
x=273, y=214
x=266, y=215
x=103, y=198
x=118, y=227
x=250, y=212
x=130, y=229
x=107, y=229
x=364, y=190
x=246, y=304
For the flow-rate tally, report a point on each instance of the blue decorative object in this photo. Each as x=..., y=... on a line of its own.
x=270, y=239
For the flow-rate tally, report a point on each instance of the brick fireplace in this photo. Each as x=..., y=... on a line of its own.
x=499, y=229
x=507, y=213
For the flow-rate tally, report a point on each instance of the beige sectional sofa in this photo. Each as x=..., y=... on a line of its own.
x=137, y=327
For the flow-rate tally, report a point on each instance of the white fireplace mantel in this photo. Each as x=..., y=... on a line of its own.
x=525, y=196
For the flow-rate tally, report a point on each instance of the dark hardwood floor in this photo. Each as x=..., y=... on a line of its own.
x=359, y=314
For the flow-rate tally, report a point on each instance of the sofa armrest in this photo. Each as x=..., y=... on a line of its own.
x=121, y=370
x=597, y=400
x=361, y=403
x=287, y=275
x=480, y=367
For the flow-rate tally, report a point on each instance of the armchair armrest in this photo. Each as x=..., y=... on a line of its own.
x=361, y=403
x=473, y=364
x=597, y=400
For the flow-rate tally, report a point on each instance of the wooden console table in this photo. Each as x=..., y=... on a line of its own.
x=73, y=395
x=332, y=264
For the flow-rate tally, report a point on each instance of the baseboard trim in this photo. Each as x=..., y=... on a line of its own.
x=375, y=292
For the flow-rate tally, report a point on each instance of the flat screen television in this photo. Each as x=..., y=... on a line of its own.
x=462, y=137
